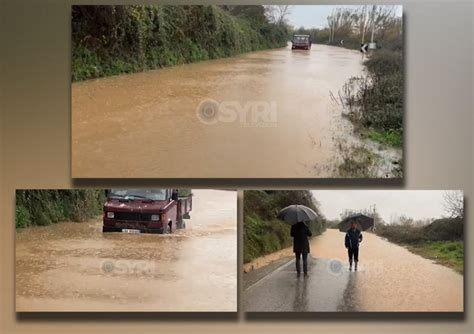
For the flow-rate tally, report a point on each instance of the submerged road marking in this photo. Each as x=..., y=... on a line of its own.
x=280, y=267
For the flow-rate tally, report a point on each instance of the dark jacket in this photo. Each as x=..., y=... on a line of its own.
x=300, y=233
x=353, y=238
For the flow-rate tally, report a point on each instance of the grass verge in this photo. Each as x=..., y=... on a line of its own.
x=391, y=137
x=447, y=253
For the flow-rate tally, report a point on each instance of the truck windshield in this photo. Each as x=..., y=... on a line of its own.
x=301, y=38
x=148, y=194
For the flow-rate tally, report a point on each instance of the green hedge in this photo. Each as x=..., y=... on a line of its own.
x=263, y=233
x=109, y=40
x=444, y=229
x=44, y=207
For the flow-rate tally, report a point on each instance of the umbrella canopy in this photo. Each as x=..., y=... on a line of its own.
x=297, y=213
x=363, y=222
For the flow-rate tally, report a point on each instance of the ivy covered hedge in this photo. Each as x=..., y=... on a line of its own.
x=110, y=40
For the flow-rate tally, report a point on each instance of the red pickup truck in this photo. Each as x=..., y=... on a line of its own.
x=301, y=42
x=146, y=210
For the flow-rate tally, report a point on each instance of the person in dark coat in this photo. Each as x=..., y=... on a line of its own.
x=300, y=233
x=352, y=241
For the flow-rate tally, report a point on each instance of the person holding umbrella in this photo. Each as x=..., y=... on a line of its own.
x=352, y=225
x=300, y=233
x=296, y=216
x=352, y=241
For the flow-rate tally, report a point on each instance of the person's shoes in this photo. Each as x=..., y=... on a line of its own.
x=298, y=274
x=305, y=275
x=350, y=267
x=355, y=267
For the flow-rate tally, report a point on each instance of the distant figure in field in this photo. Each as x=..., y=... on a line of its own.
x=300, y=233
x=352, y=241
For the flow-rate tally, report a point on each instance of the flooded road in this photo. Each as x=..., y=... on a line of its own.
x=389, y=279
x=75, y=267
x=278, y=102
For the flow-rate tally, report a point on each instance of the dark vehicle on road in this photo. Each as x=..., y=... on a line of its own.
x=301, y=42
x=146, y=210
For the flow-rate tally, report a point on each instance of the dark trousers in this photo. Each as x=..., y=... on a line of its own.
x=298, y=261
x=353, y=254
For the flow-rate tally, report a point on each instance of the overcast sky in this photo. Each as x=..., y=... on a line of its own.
x=316, y=16
x=417, y=204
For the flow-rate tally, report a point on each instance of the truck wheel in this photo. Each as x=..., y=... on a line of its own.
x=170, y=229
x=106, y=229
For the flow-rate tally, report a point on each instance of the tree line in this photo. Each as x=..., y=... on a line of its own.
x=352, y=26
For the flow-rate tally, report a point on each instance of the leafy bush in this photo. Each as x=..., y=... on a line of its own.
x=445, y=229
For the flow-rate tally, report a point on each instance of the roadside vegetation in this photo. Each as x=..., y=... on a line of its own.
x=110, y=40
x=263, y=232
x=373, y=102
x=440, y=240
x=357, y=161
x=45, y=207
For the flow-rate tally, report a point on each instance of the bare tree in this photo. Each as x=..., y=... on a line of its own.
x=405, y=221
x=278, y=13
x=454, y=203
x=346, y=21
x=364, y=20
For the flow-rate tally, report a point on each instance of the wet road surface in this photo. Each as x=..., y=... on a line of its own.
x=129, y=125
x=389, y=279
x=75, y=267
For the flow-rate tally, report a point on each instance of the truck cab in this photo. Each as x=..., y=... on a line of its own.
x=146, y=210
x=301, y=42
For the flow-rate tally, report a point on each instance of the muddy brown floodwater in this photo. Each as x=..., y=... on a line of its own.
x=75, y=267
x=146, y=124
x=391, y=278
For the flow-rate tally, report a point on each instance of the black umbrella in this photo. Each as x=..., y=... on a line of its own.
x=297, y=213
x=363, y=222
